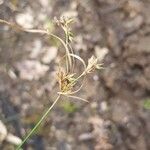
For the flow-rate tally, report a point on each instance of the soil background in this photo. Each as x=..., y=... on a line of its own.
x=118, y=32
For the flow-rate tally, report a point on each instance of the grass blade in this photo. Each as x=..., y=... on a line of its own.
x=38, y=123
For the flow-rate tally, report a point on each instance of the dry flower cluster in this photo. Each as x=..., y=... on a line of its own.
x=66, y=76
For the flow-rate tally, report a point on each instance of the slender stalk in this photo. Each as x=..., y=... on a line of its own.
x=38, y=123
x=12, y=25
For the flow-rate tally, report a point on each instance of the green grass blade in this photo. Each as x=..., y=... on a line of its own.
x=38, y=123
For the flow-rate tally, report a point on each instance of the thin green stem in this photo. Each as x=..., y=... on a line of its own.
x=38, y=123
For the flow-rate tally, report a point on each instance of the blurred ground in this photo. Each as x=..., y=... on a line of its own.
x=115, y=119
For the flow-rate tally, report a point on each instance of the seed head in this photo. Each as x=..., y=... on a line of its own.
x=66, y=81
x=92, y=65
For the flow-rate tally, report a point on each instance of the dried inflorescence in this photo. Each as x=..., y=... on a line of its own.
x=93, y=65
x=65, y=25
x=67, y=79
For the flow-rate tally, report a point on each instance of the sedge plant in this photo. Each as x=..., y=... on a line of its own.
x=66, y=76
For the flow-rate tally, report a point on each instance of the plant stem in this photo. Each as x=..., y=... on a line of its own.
x=19, y=28
x=38, y=123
